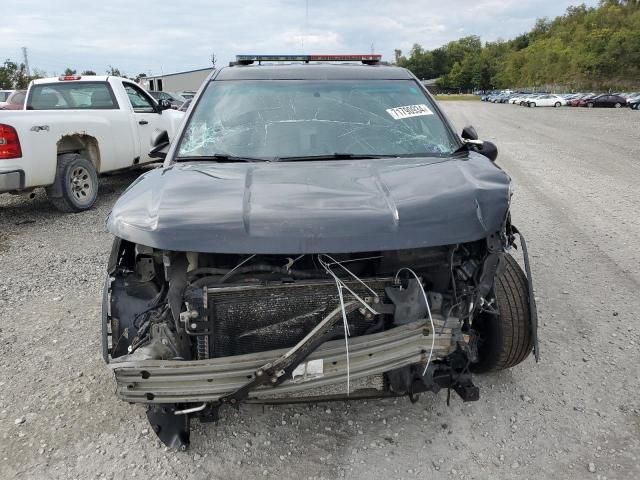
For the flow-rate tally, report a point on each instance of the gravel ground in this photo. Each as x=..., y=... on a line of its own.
x=575, y=415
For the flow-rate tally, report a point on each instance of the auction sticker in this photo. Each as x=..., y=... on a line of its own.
x=408, y=111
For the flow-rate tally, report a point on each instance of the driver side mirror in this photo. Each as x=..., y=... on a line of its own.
x=159, y=145
x=164, y=104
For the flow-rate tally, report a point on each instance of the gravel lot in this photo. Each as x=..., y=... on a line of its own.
x=575, y=415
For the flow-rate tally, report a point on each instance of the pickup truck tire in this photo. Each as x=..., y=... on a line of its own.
x=75, y=188
x=505, y=339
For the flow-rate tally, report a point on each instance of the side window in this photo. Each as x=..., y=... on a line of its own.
x=139, y=101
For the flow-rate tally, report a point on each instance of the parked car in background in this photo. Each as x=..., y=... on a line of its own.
x=74, y=128
x=549, y=100
x=634, y=102
x=605, y=101
x=4, y=94
x=529, y=98
x=15, y=101
x=174, y=99
x=582, y=101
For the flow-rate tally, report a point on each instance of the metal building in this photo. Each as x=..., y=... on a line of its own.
x=188, y=81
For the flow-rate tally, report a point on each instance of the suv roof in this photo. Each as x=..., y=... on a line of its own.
x=313, y=71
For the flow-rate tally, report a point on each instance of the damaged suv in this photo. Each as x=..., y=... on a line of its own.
x=317, y=232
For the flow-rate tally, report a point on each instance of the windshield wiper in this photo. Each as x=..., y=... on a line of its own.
x=220, y=157
x=332, y=156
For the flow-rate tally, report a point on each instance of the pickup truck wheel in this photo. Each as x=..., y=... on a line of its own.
x=76, y=185
x=505, y=339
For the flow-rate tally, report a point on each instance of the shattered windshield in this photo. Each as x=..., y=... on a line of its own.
x=276, y=119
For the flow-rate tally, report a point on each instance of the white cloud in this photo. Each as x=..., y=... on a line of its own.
x=145, y=36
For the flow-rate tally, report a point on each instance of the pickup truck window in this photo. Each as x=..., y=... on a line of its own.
x=139, y=101
x=71, y=96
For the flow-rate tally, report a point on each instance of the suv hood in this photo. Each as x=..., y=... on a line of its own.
x=314, y=207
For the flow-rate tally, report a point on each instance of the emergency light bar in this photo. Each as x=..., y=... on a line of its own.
x=249, y=59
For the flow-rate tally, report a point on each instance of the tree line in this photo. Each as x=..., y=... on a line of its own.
x=587, y=47
x=14, y=75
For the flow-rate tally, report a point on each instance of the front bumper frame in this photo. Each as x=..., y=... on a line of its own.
x=179, y=382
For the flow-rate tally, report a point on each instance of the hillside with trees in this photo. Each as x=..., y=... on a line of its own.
x=586, y=48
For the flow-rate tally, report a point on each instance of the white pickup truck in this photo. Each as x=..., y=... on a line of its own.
x=74, y=128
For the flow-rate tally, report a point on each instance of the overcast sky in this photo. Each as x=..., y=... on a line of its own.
x=163, y=37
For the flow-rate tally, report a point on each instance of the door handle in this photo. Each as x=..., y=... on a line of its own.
x=143, y=122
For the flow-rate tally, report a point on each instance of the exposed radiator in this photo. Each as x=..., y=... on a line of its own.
x=248, y=319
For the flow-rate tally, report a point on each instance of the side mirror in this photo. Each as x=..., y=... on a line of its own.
x=164, y=104
x=469, y=133
x=159, y=144
x=488, y=149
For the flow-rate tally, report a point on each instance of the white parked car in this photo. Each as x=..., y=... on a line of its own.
x=547, y=100
x=75, y=128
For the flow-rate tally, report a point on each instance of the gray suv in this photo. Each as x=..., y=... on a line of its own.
x=318, y=231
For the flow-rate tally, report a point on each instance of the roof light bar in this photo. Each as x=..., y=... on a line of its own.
x=249, y=59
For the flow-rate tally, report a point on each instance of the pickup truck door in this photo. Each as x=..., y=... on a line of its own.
x=147, y=119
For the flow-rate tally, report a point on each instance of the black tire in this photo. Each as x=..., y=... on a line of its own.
x=75, y=188
x=557, y=104
x=505, y=339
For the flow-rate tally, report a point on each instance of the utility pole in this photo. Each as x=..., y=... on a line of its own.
x=26, y=61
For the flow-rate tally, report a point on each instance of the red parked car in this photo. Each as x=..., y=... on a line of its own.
x=15, y=101
x=581, y=101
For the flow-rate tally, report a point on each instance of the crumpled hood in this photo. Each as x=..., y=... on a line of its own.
x=314, y=207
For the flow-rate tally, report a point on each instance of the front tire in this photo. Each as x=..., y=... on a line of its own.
x=506, y=339
x=618, y=105
x=532, y=104
x=75, y=188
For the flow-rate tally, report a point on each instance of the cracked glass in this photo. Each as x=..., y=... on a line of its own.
x=272, y=119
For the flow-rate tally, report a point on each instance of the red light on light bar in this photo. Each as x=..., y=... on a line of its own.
x=69, y=77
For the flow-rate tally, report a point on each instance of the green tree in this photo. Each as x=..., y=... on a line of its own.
x=7, y=74
x=586, y=48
